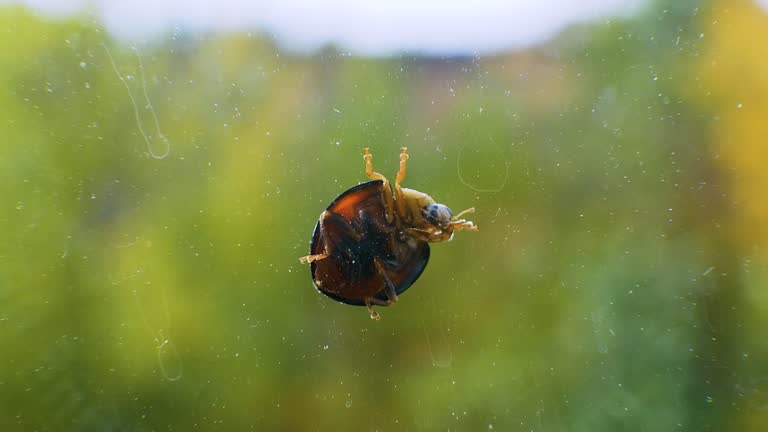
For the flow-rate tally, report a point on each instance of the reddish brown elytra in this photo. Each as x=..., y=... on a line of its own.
x=371, y=244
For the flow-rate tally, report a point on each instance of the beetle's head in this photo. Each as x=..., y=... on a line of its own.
x=429, y=221
x=437, y=225
x=438, y=215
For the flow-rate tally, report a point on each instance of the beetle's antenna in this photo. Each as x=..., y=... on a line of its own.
x=467, y=211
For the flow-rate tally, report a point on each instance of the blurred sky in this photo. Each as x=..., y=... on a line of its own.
x=374, y=27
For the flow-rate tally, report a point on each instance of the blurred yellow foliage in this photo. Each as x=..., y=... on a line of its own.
x=734, y=85
x=734, y=73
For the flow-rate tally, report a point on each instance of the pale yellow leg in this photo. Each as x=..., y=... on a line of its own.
x=312, y=258
x=461, y=225
x=317, y=257
x=374, y=315
x=400, y=201
x=369, y=167
x=401, y=173
x=388, y=199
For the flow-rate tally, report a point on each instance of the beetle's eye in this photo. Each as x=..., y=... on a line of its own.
x=438, y=215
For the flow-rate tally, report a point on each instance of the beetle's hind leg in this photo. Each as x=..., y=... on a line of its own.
x=389, y=287
x=369, y=302
x=389, y=290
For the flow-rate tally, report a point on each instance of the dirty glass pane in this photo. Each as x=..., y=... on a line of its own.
x=163, y=165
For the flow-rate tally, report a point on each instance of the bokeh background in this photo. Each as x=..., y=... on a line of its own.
x=157, y=190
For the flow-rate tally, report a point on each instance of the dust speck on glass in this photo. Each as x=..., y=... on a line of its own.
x=164, y=163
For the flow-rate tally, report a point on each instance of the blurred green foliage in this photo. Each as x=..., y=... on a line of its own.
x=607, y=289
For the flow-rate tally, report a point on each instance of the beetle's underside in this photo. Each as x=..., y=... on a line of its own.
x=371, y=244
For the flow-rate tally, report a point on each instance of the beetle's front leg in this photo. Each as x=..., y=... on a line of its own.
x=462, y=224
x=420, y=234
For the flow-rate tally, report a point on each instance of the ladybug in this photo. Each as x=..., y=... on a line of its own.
x=371, y=244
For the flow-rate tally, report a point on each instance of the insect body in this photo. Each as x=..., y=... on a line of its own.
x=371, y=244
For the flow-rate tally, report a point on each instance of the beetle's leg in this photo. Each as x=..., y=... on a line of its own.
x=401, y=173
x=369, y=302
x=464, y=225
x=420, y=234
x=389, y=287
x=389, y=290
x=373, y=175
x=312, y=258
x=467, y=211
x=401, y=202
x=330, y=221
x=388, y=200
x=335, y=230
